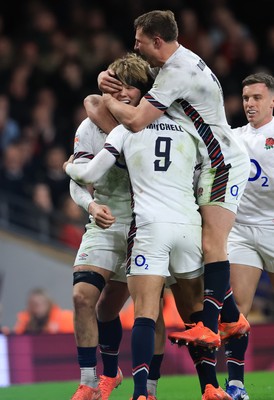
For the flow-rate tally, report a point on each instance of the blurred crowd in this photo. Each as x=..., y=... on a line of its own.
x=50, y=57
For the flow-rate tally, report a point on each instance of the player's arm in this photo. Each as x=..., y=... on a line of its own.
x=80, y=195
x=91, y=171
x=133, y=118
x=101, y=213
x=99, y=113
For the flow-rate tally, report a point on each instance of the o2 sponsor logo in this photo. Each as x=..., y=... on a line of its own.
x=140, y=261
x=234, y=190
x=258, y=174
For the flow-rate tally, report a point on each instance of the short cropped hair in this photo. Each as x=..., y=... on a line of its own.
x=158, y=23
x=259, y=77
x=132, y=70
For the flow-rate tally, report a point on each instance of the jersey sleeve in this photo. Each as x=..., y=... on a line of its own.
x=84, y=137
x=167, y=88
x=80, y=195
x=93, y=170
x=115, y=140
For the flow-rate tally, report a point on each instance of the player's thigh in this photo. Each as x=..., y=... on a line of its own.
x=244, y=280
x=217, y=222
x=145, y=291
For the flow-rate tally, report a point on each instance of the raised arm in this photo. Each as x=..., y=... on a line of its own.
x=133, y=118
x=99, y=113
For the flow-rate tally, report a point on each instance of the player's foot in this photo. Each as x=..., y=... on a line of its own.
x=199, y=335
x=235, y=329
x=84, y=392
x=236, y=393
x=107, y=384
x=139, y=398
x=151, y=397
x=212, y=393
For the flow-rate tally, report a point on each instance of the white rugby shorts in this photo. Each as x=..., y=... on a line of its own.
x=223, y=186
x=166, y=249
x=105, y=248
x=252, y=245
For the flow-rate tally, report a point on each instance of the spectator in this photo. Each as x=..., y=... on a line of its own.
x=72, y=229
x=13, y=180
x=9, y=128
x=42, y=198
x=54, y=176
x=42, y=315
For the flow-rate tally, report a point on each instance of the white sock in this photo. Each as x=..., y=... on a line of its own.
x=152, y=386
x=89, y=377
x=239, y=384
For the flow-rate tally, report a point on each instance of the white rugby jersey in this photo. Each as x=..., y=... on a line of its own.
x=160, y=160
x=190, y=93
x=113, y=188
x=257, y=203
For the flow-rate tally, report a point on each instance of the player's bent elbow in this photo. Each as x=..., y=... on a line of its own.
x=134, y=126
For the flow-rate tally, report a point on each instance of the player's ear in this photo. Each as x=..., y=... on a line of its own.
x=157, y=41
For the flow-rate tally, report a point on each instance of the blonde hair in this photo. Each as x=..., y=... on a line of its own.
x=132, y=70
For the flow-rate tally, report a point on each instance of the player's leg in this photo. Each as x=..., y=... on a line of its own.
x=145, y=292
x=88, y=282
x=218, y=195
x=217, y=224
x=111, y=301
x=250, y=250
x=157, y=359
x=108, y=307
x=93, y=267
x=190, y=292
x=148, y=261
x=244, y=281
x=189, y=266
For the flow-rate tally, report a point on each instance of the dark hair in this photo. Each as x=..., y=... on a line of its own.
x=158, y=23
x=259, y=77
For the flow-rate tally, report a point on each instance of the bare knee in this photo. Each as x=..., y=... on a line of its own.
x=83, y=300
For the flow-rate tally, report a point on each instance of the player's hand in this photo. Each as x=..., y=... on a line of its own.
x=107, y=82
x=69, y=161
x=101, y=214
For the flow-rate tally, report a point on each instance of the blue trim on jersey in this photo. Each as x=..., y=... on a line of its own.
x=116, y=154
x=83, y=154
x=204, y=130
x=130, y=242
x=155, y=103
x=112, y=150
x=119, y=165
